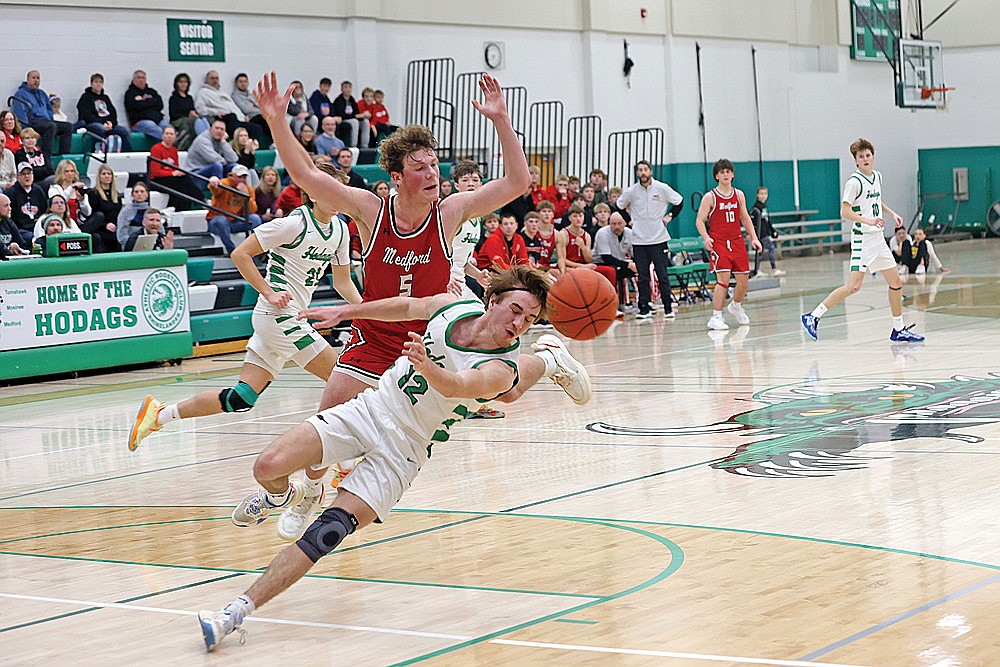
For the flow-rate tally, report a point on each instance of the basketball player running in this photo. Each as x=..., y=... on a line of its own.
x=725, y=208
x=406, y=245
x=467, y=353
x=301, y=246
x=862, y=205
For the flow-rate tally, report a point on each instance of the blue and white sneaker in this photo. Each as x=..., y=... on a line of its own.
x=215, y=626
x=256, y=507
x=904, y=335
x=810, y=323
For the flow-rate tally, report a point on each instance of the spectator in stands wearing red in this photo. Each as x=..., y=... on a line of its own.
x=547, y=233
x=600, y=182
x=345, y=160
x=144, y=107
x=319, y=100
x=68, y=185
x=558, y=194
x=104, y=198
x=378, y=118
x=299, y=112
x=289, y=199
x=503, y=248
x=169, y=175
x=573, y=247
x=8, y=165
x=39, y=161
x=267, y=193
x=234, y=205
x=11, y=127
x=213, y=103
x=183, y=115
x=537, y=191
x=490, y=223
x=248, y=105
x=27, y=200
x=33, y=108
x=97, y=113
x=353, y=127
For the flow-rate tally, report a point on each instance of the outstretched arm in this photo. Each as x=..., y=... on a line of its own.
x=359, y=204
x=462, y=206
x=393, y=309
x=486, y=381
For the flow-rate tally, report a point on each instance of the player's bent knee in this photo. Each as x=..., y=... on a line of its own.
x=327, y=532
x=240, y=398
x=896, y=288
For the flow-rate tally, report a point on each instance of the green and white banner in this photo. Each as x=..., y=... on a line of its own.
x=55, y=310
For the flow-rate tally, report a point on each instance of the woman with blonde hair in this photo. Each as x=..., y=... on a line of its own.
x=246, y=148
x=73, y=190
x=106, y=202
x=267, y=193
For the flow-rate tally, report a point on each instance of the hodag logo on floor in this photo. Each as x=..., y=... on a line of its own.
x=814, y=431
x=163, y=300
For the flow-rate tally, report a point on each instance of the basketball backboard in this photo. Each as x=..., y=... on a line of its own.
x=920, y=75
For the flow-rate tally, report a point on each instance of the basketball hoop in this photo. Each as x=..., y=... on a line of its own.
x=925, y=93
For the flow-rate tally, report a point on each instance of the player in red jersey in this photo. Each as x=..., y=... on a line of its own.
x=407, y=246
x=725, y=208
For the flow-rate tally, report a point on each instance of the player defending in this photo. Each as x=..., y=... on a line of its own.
x=725, y=208
x=467, y=353
x=301, y=246
x=862, y=205
x=406, y=240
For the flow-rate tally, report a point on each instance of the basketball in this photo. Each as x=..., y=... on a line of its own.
x=582, y=304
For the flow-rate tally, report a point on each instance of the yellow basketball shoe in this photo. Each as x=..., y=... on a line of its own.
x=145, y=422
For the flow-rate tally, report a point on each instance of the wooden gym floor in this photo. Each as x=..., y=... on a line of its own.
x=749, y=497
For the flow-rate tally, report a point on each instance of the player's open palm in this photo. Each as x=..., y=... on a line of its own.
x=415, y=351
x=272, y=103
x=493, y=105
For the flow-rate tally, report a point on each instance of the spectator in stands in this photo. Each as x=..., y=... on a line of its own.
x=353, y=127
x=58, y=209
x=307, y=137
x=183, y=115
x=380, y=115
x=558, y=194
x=209, y=154
x=503, y=248
x=52, y=225
x=345, y=160
x=532, y=241
x=652, y=205
x=573, y=186
x=613, y=195
x=10, y=236
x=573, y=247
x=613, y=248
x=267, y=193
x=169, y=175
x=327, y=142
x=152, y=223
x=577, y=201
x=445, y=188
x=57, y=113
x=39, y=161
x=320, y=102
x=519, y=207
x=382, y=189
x=32, y=107
x=104, y=198
x=8, y=165
x=11, y=128
x=537, y=191
x=144, y=107
x=765, y=233
x=213, y=103
x=917, y=256
x=299, y=113
x=602, y=217
x=599, y=180
x=246, y=154
x=130, y=218
x=490, y=223
x=289, y=199
x=248, y=105
x=68, y=185
x=548, y=234
x=367, y=109
x=27, y=200
x=587, y=193
x=234, y=205
x=97, y=113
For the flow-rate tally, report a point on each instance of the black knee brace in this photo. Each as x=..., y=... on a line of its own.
x=327, y=532
x=240, y=398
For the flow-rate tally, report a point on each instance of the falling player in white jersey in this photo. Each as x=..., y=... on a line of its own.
x=863, y=206
x=301, y=246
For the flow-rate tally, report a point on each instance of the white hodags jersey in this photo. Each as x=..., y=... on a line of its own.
x=405, y=397
x=463, y=245
x=300, y=248
x=865, y=197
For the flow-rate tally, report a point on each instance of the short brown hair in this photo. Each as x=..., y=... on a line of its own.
x=464, y=168
x=532, y=215
x=722, y=165
x=330, y=170
x=491, y=216
x=860, y=145
x=574, y=209
x=545, y=204
x=519, y=277
x=408, y=139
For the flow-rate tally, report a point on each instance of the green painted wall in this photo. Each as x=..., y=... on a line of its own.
x=934, y=175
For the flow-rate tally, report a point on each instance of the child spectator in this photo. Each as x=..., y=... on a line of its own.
x=765, y=232
x=57, y=112
x=378, y=121
x=558, y=194
x=320, y=102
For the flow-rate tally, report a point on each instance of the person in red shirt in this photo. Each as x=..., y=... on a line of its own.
x=537, y=191
x=504, y=247
x=289, y=200
x=559, y=195
x=573, y=247
x=371, y=102
x=169, y=175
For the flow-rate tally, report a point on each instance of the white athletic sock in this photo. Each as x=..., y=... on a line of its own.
x=168, y=414
x=897, y=323
x=278, y=499
x=716, y=313
x=239, y=609
x=550, y=362
x=819, y=311
x=312, y=484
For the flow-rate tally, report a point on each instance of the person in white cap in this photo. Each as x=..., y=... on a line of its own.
x=240, y=206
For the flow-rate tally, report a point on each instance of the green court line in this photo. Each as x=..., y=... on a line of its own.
x=574, y=620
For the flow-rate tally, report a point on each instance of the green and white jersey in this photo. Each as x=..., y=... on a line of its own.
x=405, y=397
x=865, y=197
x=463, y=245
x=299, y=250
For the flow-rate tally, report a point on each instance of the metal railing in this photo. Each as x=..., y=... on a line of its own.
x=583, y=150
x=627, y=148
x=159, y=187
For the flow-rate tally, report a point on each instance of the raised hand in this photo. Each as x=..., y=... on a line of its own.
x=273, y=104
x=328, y=316
x=493, y=105
x=415, y=351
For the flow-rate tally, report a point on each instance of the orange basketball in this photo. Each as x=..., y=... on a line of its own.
x=582, y=304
